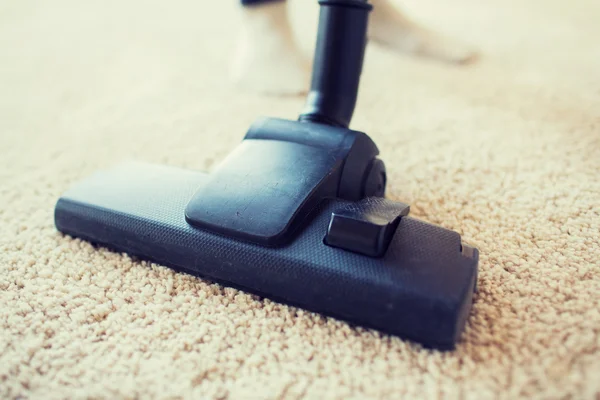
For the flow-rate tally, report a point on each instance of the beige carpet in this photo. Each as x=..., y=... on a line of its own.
x=507, y=152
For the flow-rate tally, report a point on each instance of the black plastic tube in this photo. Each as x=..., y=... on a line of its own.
x=338, y=62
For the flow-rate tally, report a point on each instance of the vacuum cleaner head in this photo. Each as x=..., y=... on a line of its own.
x=296, y=213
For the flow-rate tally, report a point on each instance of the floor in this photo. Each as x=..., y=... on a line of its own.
x=505, y=151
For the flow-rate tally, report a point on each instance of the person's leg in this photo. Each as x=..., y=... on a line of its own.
x=392, y=28
x=267, y=59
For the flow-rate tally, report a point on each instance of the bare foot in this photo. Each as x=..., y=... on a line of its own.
x=267, y=59
x=390, y=27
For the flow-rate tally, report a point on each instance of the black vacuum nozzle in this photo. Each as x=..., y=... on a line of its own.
x=417, y=281
x=295, y=213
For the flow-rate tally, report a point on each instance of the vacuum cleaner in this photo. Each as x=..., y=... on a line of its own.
x=296, y=213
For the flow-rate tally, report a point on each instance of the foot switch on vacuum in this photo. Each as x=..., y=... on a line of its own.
x=365, y=227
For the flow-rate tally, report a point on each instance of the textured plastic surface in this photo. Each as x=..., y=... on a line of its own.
x=421, y=289
x=365, y=227
x=267, y=186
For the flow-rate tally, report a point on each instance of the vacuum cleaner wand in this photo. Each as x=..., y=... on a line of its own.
x=338, y=61
x=295, y=213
